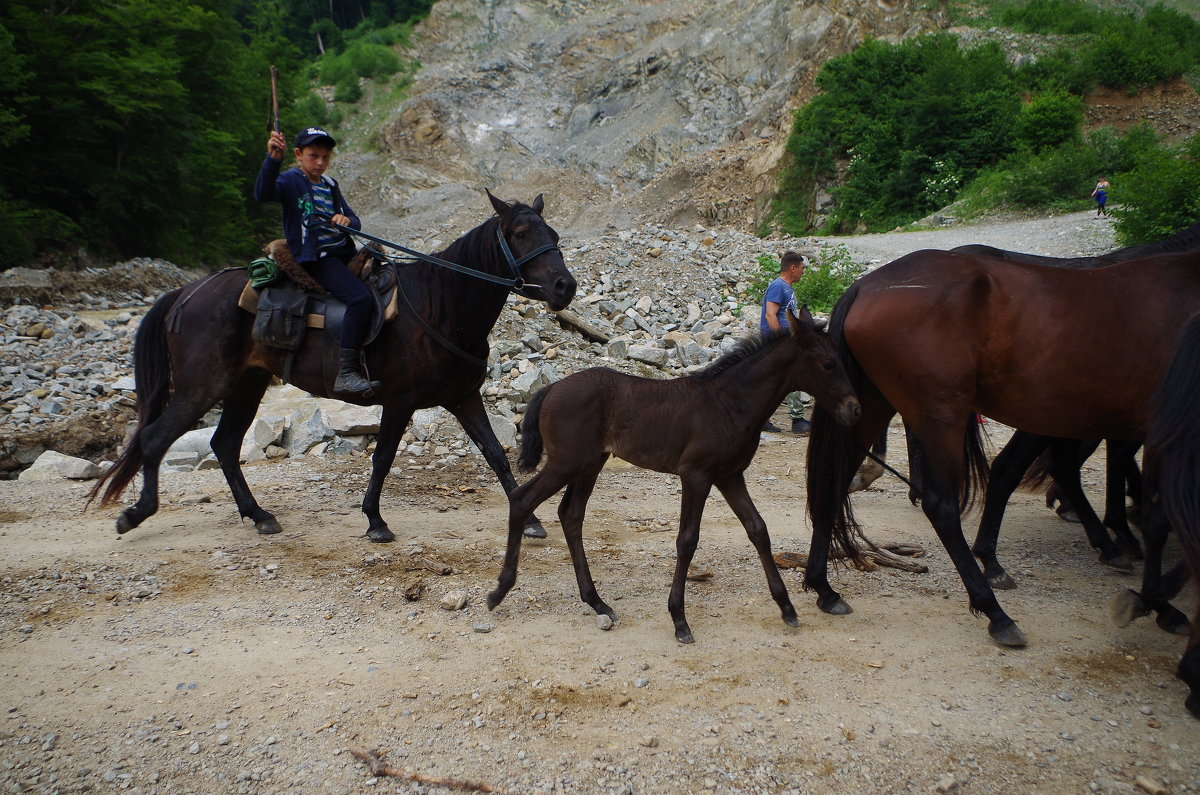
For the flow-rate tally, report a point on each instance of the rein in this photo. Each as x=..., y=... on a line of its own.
x=515, y=284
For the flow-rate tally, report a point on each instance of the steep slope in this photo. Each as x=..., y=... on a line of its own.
x=667, y=110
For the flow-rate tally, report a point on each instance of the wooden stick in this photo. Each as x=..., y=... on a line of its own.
x=379, y=768
x=274, y=99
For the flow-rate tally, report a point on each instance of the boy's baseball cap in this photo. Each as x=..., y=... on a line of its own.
x=312, y=135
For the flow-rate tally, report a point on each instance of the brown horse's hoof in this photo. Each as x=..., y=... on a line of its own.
x=791, y=621
x=124, y=525
x=684, y=636
x=268, y=527
x=1173, y=621
x=381, y=535
x=836, y=607
x=1010, y=636
x=494, y=599
x=534, y=529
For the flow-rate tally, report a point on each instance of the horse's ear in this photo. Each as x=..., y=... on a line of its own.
x=538, y=204
x=802, y=321
x=500, y=206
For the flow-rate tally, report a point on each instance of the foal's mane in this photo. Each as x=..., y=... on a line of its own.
x=744, y=350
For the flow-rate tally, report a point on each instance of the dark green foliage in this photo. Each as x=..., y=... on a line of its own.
x=1048, y=120
x=137, y=128
x=1160, y=195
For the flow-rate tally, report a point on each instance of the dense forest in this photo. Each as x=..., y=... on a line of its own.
x=137, y=127
x=900, y=130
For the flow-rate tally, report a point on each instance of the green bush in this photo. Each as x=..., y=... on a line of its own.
x=1160, y=195
x=1048, y=120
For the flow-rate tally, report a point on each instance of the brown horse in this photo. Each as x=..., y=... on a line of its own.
x=939, y=337
x=1172, y=461
x=703, y=427
x=194, y=349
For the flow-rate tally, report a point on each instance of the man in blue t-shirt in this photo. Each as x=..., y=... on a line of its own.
x=779, y=299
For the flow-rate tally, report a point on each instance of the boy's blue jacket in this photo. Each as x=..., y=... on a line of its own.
x=293, y=192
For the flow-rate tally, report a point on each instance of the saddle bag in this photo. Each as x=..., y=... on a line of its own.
x=281, y=317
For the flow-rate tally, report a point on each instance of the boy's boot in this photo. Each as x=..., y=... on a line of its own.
x=800, y=426
x=350, y=379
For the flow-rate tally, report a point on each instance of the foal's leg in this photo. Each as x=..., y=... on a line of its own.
x=237, y=414
x=521, y=503
x=471, y=415
x=571, y=511
x=733, y=489
x=1007, y=470
x=1157, y=589
x=691, y=510
x=391, y=428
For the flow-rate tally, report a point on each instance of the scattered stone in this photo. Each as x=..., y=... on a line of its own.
x=454, y=600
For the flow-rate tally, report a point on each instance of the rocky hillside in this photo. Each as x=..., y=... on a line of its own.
x=671, y=111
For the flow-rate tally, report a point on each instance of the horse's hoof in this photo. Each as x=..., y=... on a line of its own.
x=124, y=525
x=791, y=621
x=1002, y=582
x=1174, y=622
x=1125, y=607
x=836, y=607
x=1118, y=562
x=1193, y=704
x=1009, y=636
x=684, y=636
x=534, y=529
x=268, y=527
x=381, y=535
x=1069, y=515
x=494, y=599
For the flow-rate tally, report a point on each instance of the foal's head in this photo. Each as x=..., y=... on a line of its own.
x=813, y=367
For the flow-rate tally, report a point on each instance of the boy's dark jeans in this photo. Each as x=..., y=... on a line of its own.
x=331, y=272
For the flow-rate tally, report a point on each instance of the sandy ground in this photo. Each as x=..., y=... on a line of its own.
x=193, y=655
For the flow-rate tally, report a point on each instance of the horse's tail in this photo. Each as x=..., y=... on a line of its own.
x=1038, y=473
x=833, y=448
x=531, y=433
x=975, y=464
x=152, y=379
x=1175, y=437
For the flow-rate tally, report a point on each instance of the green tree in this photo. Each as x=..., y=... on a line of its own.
x=1160, y=195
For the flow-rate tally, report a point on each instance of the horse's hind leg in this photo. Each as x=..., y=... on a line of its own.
x=571, y=511
x=1064, y=467
x=236, y=415
x=1119, y=464
x=522, y=502
x=471, y=415
x=733, y=489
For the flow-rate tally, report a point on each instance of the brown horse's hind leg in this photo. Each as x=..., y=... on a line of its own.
x=733, y=489
x=236, y=415
x=571, y=511
x=691, y=510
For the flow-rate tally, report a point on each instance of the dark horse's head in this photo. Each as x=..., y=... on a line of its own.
x=544, y=275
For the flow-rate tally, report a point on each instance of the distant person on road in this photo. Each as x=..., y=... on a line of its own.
x=1100, y=194
x=778, y=300
x=322, y=251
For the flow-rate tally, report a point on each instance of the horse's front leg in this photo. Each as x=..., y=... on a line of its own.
x=691, y=510
x=237, y=414
x=733, y=489
x=1008, y=468
x=471, y=415
x=391, y=427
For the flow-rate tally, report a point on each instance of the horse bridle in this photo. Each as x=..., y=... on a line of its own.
x=515, y=285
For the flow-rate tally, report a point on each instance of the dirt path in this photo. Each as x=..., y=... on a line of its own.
x=195, y=656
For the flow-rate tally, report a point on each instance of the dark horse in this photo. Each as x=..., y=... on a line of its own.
x=939, y=337
x=1172, y=461
x=703, y=427
x=207, y=355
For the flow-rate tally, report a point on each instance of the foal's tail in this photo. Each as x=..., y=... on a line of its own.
x=531, y=433
x=833, y=449
x=152, y=379
x=1175, y=438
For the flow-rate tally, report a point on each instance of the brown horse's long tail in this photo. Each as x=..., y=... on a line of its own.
x=832, y=448
x=1175, y=438
x=152, y=379
x=531, y=432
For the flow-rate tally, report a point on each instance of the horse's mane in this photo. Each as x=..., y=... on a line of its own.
x=478, y=248
x=744, y=350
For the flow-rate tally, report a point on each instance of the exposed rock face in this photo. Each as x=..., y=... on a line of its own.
x=598, y=100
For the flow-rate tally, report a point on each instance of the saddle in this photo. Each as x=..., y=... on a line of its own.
x=294, y=302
